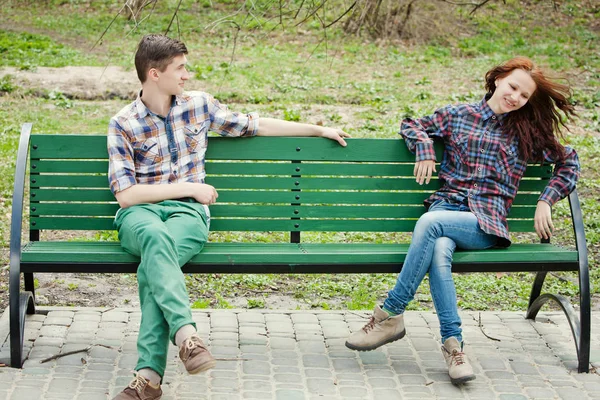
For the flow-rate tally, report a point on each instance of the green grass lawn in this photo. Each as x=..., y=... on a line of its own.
x=366, y=87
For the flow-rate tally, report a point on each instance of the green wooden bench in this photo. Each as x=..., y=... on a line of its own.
x=290, y=185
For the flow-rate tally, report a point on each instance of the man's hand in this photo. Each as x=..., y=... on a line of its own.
x=542, y=221
x=205, y=194
x=423, y=171
x=335, y=134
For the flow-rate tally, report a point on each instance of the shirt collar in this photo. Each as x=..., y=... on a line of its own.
x=486, y=111
x=142, y=110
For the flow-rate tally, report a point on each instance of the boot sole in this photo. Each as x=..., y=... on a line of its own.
x=376, y=345
x=204, y=367
x=460, y=381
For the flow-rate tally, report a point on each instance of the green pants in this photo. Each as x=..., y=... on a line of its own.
x=165, y=236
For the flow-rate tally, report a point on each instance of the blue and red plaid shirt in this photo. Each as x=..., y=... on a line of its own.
x=146, y=148
x=480, y=167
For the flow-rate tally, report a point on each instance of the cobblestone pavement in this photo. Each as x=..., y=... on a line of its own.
x=289, y=355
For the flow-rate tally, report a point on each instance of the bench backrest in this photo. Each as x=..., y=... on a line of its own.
x=264, y=184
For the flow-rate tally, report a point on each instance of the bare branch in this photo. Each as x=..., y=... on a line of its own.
x=108, y=27
x=312, y=13
x=476, y=5
x=68, y=353
x=485, y=334
x=299, y=9
x=342, y=16
x=173, y=18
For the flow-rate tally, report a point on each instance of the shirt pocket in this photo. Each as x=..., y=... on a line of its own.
x=148, y=152
x=507, y=159
x=195, y=137
x=460, y=144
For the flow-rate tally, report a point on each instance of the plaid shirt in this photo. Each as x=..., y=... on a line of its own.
x=146, y=148
x=480, y=167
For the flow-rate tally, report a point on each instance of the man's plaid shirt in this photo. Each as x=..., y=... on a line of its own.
x=479, y=167
x=145, y=148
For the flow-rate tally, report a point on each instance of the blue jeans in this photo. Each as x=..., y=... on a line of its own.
x=437, y=234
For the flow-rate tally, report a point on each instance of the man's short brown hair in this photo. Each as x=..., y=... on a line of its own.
x=156, y=51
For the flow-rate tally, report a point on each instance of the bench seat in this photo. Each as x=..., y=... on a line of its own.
x=294, y=257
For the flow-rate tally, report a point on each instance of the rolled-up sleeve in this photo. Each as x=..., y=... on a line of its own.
x=228, y=123
x=121, y=167
x=564, y=179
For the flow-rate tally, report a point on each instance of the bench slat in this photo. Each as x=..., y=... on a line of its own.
x=214, y=167
x=265, y=253
x=266, y=225
x=291, y=183
x=272, y=197
x=252, y=211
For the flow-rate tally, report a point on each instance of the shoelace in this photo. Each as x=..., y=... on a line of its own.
x=137, y=384
x=457, y=357
x=370, y=325
x=193, y=342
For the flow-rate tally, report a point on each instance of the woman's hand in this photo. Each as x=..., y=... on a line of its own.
x=543, y=220
x=423, y=171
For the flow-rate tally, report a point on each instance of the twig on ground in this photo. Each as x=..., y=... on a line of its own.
x=485, y=334
x=69, y=353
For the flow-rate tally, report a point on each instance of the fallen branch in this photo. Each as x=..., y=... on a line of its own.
x=68, y=353
x=485, y=334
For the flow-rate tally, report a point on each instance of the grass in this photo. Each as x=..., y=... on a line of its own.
x=364, y=87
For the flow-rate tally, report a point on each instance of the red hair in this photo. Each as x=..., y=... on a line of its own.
x=538, y=123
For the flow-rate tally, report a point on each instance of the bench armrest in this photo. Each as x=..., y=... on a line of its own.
x=16, y=223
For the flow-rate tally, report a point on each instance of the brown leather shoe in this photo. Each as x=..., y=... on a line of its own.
x=139, y=389
x=195, y=355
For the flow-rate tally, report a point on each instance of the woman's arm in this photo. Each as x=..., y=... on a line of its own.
x=417, y=134
x=563, y=181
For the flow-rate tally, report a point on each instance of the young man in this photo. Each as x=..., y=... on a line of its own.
x=156, y=149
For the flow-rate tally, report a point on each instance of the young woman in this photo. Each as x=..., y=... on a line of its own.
x=487, y=148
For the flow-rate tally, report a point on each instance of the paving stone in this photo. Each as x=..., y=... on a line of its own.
x=321, y=386
x=353, y=392
x=306, y=359
x=388, y=394
x=289, y=394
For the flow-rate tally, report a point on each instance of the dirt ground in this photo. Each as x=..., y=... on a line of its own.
x=86, y=83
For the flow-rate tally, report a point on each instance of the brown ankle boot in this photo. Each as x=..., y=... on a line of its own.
x=459, y=368
x=380, y=329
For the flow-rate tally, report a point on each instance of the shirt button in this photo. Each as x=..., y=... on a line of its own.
x=481, y=150
x=479, y=169
x=493, y=117
x=475, y=185
x=471, y=195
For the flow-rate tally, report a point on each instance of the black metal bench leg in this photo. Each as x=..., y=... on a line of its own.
x=20, y=304
x=536, y=290
x=29, y=285
x=580, y=325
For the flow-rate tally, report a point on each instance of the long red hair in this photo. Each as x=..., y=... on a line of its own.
x=538, y=123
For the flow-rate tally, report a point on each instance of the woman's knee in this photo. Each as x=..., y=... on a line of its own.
x=428, y=221
x=443, y=252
